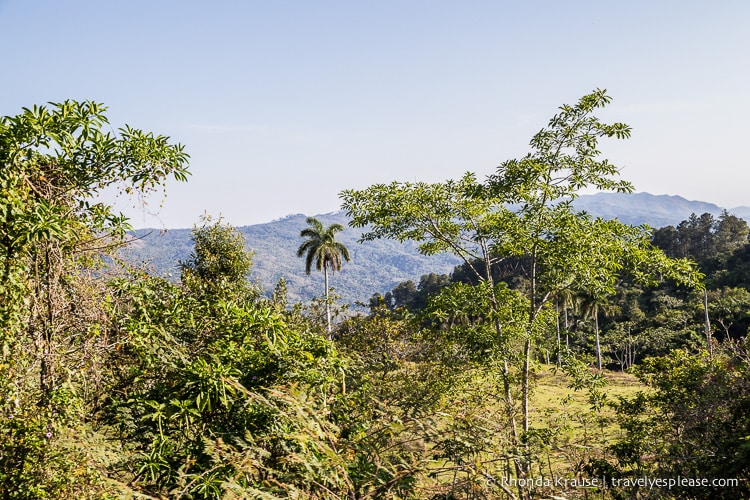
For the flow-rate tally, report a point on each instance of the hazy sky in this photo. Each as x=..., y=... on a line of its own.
x=282, y=104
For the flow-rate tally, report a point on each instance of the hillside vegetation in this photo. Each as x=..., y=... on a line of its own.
x=564, y=356
x=377, y=266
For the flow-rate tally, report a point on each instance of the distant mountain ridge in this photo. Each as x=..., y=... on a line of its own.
x=377, y=266
x=645, y=208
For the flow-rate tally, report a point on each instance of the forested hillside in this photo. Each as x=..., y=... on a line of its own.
x=377, y=266
x=565, y=356
x=374, y=265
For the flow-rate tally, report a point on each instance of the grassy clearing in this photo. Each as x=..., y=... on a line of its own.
x=576, y=433
x=552, y=392
x=566, y=433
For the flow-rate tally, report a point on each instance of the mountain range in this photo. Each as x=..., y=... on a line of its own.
x=377, y=266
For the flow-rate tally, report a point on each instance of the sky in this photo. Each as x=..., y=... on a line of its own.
x=283, y=104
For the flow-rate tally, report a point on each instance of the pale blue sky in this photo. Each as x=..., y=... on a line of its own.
x=282, y=104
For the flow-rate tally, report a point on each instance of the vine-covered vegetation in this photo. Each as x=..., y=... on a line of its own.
x=567, y=357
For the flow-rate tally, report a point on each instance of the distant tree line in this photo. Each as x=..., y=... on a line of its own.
x=636, y=322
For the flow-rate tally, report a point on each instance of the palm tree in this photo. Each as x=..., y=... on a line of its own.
x=591, y=305
x=564, y=299
x=322, y=248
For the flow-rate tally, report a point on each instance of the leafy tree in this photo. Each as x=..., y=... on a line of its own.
x=737, y=273
x=462, y=315
x=322, y=249
x=567, y=249
x=240, y=412
x=429, y=285
x=730, y=309
x=415, y=297
x=54, y=161
x=442, y=217
x=219, y=263
x=623, y=337
x=731, y=234
x=279, y=298
x=592, y=306
x=709, y=241
x=402, y=295
x=524, y=210
x=455, y=216
x=696, y=237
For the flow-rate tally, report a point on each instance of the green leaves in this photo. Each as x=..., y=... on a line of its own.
x=54, y=161
x=691, y=423
x=564, y=158
x=322, y=249
x=522, y=211
x=216, y=393
x=466, y=315
x=219, y=263
x=454, y=216
x=321, y=246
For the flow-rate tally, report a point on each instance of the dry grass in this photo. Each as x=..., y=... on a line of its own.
x=568, y=432
x=552, y=389
x=578, y=431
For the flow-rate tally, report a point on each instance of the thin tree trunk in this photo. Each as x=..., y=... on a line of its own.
x=526, y=382
x=567, y=327
x=527, y=347
x=631, y=349
x=708, y=323
x=328, y=303
x=598, y=348
x=509, y=403
x=557, y=323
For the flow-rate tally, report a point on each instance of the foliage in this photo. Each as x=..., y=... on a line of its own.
x=692, y=424
x=417, y=410
x=524, y=212
x=321, y=247
x=219, y=264
x=463, y=316
x=54, y=161
x=115, y=383
x=205, y=382
x=414, y=297
x=707, y=240
x=442, y=217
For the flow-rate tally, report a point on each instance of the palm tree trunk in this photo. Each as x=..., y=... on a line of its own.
x=328, y=303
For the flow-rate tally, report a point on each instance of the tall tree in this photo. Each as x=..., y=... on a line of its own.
x=591, y=306
x=524, y=210
x=322, y=249
x=54, y=161
x=730, y=235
